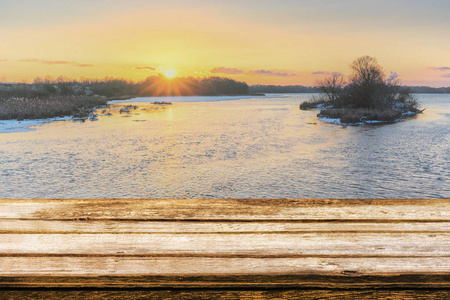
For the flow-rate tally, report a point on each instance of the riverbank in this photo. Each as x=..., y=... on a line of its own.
x=26, y=117
x=16, y=108
x=23, y=108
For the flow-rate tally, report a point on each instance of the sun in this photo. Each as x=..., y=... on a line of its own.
x=170, y=73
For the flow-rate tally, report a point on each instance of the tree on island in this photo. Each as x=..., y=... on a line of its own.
x=368, y=96
x=332, y=87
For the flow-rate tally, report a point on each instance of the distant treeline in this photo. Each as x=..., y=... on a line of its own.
x=158, y=86
x=429, y=90
x=108, y=87
x=280, y=89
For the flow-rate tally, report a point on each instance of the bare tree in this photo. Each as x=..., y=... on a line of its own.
x=367, y=84
x=332, y=87
x=366, y=71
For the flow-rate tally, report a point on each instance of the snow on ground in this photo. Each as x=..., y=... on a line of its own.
x=338, y=121
x=184, y=99
x=8, y=126
x=331, y=120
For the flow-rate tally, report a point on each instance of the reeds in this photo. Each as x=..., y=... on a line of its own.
x=48, y=107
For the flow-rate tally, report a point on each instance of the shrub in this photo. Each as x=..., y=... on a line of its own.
x=367, y=96
x=361, y=115
x=315, y=101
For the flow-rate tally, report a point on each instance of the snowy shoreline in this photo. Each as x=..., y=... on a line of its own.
x=181, y=99
x=338, y=122
x=11, y=126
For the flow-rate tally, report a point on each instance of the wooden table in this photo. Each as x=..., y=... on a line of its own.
x=253, y=249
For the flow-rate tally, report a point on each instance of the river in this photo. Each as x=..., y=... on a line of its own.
x=238, y=147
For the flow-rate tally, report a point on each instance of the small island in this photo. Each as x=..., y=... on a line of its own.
x=368, y=97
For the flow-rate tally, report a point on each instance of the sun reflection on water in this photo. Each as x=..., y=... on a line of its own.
x=256, y=148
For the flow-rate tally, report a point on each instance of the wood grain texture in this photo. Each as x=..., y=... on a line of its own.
x=254, y=282
x=228, y=209
x=212, y=244
x=176, y=227
x=184, y=294
x=226, y=244
x=220, y=266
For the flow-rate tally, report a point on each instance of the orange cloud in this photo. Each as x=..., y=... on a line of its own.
x=270, y=73
x=54, y=62
x=327, y=73
x=227, y=70
x=146, y=68
x=83, y=65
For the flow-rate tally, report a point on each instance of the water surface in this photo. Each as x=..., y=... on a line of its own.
x=248, y=148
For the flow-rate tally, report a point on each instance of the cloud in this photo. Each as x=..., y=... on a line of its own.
x=148, y=68
x=337, y=74
x=227, y=70
x=446, y=76
x=440, y=68
x=84, y=65
x=47, y=62
x=327, y=73
x=55, y=62
x=392, y=76
x=271, y=73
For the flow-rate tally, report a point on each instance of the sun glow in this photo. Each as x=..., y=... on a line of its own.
x=170, y=73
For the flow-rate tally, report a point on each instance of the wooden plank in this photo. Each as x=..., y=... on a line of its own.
x=305, y=281
x=229, y=294
x=124, y=227
x=72, y=266
x=228, y=209
x=225, y=244
x=396, y=244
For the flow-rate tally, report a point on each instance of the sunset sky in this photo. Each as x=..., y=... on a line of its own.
x=257, y=41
